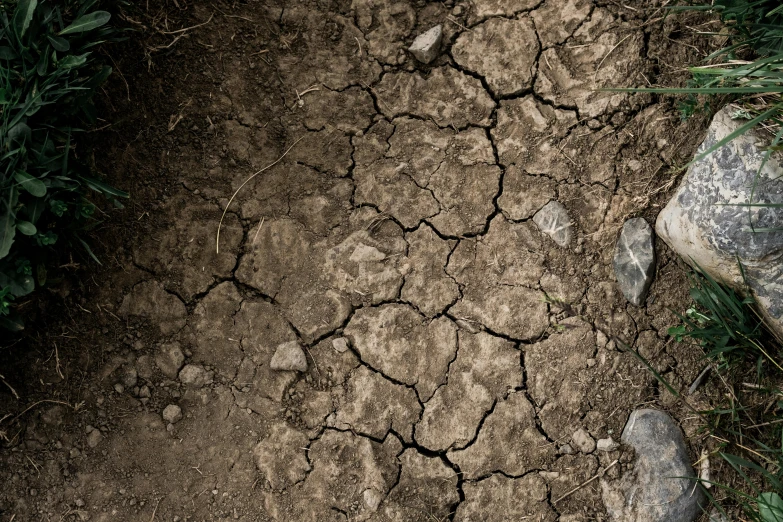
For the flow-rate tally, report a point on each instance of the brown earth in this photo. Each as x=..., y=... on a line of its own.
x=459, y=363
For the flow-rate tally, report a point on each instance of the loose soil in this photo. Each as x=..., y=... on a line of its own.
x=459, y=361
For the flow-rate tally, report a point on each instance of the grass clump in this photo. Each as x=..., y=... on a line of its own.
x=49, y=74
x=746, y=357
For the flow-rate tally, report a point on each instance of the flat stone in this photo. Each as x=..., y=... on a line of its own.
x=501, y=499
x=427, y=285
x=402, y=345
x=94, y=438
x=447, y=96
x=523, y=447
x=485, y=369
x=583, y=441
x=607, y=444
x=554, y=221
x=289, y=357
x=634, y=260
x=169, y=359
x=195, y=376
x=281, y=456
x=426, y=46
x=502, y=50
x=373, y=405
x=706, y=223
x=172, y=413
x=340, y=344
x=427, y=485
x=656, y=490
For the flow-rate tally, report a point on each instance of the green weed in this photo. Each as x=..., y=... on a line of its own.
x=48, y=76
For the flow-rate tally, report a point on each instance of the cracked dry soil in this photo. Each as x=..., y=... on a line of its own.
x=453, y=350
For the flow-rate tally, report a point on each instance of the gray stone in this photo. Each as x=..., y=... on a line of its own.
x=634, y=260
x=94, y=438
x=606, y=445
x=289, y=357
x=172, y=413
x=656, y=490
x=340, y=344
x=705, y=223
x=129, y=377
x=426, y=46
x=195, y=376
x=554, y=221
x=170, y=359
x=583, y=441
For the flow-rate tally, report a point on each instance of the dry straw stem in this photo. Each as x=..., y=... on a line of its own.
x=278, y=160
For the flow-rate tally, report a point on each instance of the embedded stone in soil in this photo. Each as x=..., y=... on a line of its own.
x=485, y=369
x=404, y=346
x=503, y=51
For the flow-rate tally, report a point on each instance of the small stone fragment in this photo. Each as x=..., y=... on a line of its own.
x=634, y=260
x=170, y=359
x=129, y=377
x=289, y=357
x=606, y=444
x=94, y=438
x=426, y=46
x=565, y=449
x=340, y=344
x=554, y=221
x=583, y=441
x=172, y=413
x=195, y=376
x=658, y=489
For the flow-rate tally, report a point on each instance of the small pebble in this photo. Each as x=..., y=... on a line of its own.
x=172, y=413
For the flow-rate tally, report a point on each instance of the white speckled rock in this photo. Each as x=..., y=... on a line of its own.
x=426, y=46
x=554, y=221
x=634, y=260
x=703, y=224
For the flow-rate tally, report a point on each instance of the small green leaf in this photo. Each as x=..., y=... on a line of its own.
x=59, y=44
x=31, y=184
x=26, y=228
x=87, y=22
x=72, y=61
x=103, y=188
x=7, y=221
x=7, y=53
x=23, y=15
x=770, y=507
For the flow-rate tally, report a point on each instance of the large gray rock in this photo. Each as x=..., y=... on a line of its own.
x=705, y=226
x=657, y=489
x=554, y=221
x=634, y=260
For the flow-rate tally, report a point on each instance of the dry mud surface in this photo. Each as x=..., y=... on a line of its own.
x=460, y=364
